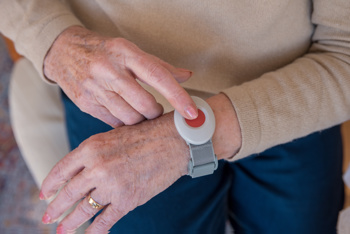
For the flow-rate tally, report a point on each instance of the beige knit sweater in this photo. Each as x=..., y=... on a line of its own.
x=285, y=64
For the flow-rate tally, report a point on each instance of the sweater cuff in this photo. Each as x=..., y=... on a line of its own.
x=46, y=37
x=248, y=119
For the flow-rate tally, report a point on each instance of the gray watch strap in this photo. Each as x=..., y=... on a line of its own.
x=203, y=160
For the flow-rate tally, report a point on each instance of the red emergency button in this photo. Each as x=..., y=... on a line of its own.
x=199, y=121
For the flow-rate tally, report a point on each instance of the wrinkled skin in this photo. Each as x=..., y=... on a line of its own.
x=99, y=75
x=127, y=166
x=124, y=168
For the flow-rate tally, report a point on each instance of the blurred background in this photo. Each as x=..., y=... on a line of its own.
x=20, y=207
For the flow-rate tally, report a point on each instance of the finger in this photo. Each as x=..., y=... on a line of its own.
x=131, y=92
x=82, y=213
x=180, y=74
x=129, y=101
x=157, y=76
x=72, y=192
x=63, y=171
x=117, y=106
x=103, y=114
x=106, y=220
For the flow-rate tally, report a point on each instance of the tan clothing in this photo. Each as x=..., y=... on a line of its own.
x=284, y=64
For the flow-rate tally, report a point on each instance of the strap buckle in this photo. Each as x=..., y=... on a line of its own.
x=203, y=160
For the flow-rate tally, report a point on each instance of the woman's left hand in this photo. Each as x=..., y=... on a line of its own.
x=120, y=169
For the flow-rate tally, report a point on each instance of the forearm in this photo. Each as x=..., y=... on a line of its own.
x=310, y=94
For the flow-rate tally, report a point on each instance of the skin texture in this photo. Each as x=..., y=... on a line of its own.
x=99, y=75
x=115, y=166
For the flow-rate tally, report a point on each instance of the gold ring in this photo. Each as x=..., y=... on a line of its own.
x=94, y=204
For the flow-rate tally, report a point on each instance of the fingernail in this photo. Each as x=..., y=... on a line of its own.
x=46, y=219
x=41, y=196
x=191, y=112
x=59, y=229
x=185, y=71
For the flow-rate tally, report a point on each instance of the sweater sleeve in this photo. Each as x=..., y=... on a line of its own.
x=308, y=95
x=33, y=25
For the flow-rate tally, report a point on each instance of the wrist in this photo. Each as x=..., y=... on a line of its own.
x=164, y=127
x=73, y=35
x=227, y=139
x=198, y=135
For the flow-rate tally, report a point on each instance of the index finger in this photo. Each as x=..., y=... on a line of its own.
x=156, y=75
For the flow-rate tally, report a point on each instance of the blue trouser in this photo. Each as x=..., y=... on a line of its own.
x=291, y=188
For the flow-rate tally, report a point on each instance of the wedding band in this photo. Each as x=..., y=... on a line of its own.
x=94, y=204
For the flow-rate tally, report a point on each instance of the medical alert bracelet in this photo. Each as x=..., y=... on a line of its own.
x=198, y=133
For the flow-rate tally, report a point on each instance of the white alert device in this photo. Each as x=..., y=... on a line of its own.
x=198, y=133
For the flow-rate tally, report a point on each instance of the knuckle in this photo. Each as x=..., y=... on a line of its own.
x=68, y=193
x=155, y=72
x=151, y=112
x=85, y=210
x=117, y=90
x=100, y=173
x=149, y=106
x=146, y=103
x=146, y=111
x=58, y=171
x=177, y=94
x=129, y=121
x=121, y=212
x=100, y=100
x=122, y=43
x=92, y=144
x=93, y=139
x=133, y=119
x=104, y=223
x=116, y=123
x=117, y=213
x=102, y=65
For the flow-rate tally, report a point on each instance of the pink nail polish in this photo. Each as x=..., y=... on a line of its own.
x=188, y=73
x=41, y=196
x=46, y=219
x=184, y=70
x=191, y=112
x=60, y=229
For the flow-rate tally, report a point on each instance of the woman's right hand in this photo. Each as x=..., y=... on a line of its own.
x=99, y=75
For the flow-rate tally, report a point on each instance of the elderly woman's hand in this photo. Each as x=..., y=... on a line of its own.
x=122, y=169
x=99, y=75
x=126, y=167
